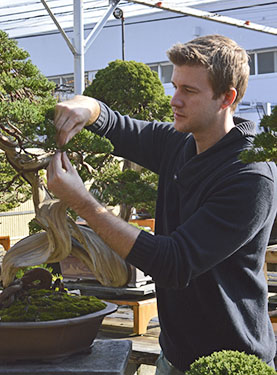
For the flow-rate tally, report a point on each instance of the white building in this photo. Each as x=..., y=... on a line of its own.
x=149, y=32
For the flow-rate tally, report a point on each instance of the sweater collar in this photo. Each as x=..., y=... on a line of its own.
x=193, y=166
x=243, y=128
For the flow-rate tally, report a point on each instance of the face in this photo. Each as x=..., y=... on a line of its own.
x=193, y=105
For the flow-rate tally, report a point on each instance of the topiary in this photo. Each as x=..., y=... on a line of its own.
x=133, y=89
x=229, y=362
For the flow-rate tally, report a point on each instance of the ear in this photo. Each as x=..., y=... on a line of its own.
x=229, y=98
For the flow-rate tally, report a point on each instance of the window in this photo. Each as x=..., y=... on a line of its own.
x=154, y=67
x=164, y=70
x=267, y=62
x=263, y=62
x=252, y=63
x=166, y=73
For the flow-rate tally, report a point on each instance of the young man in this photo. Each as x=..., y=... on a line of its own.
x=214, y=214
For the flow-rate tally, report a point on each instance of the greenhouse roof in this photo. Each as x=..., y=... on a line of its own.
x=27, y=17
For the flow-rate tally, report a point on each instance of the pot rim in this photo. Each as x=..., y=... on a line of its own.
x=109, y=309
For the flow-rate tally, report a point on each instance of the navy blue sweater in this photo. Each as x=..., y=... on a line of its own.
x=213, y=220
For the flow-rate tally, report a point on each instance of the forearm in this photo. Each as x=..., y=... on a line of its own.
x=115, y=232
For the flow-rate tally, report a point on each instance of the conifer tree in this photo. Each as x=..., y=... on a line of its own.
x=265, y=143
x=27, y=132
x=133, y=89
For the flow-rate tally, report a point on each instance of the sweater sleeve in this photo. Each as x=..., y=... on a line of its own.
x=233, y=224
x=142, y=142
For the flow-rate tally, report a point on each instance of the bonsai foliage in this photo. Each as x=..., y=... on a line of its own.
x=27, y=133
x=14, y=189
x=25, y=97
x=133, y=89
x=265, y=143
x=228, y=362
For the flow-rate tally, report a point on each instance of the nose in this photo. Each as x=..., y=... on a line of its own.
x=176, y=100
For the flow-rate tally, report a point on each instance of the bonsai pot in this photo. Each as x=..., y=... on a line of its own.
x=48, y=340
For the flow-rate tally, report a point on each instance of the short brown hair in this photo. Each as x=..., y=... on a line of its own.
x=226, y=62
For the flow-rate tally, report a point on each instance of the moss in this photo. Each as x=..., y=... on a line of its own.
x=43, y=305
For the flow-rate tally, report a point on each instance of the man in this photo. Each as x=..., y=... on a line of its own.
x=214, y=214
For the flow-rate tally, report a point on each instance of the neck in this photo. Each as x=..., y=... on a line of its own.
x=205, y=140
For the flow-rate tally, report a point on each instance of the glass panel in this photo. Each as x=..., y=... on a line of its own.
x=265, y=62
x=56, y=80
x=68, y=80
x=154, y=67
x=252, y=63
x=166, y=73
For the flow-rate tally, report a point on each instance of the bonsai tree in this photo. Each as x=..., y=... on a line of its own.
x=228, y=362
x=265, y=143
x=133, y=89
x=27, y=142
x=265, y=149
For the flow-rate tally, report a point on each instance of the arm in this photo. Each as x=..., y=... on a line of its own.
x=229, y=231
x=143, y=142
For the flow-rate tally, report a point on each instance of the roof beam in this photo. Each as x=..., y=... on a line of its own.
x=166, y=5
x=100, y=24
x=61, y=30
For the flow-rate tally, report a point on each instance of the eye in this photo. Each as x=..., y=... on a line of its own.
x=174, y=86
x=189, y=90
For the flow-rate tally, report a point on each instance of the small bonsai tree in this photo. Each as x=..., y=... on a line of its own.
x=228, y=362
x=265, y=143
x=133, y=89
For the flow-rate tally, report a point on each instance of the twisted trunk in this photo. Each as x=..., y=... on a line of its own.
x=61, y=235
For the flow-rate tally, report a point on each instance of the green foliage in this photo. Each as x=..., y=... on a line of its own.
x=44, y=305
x=27, y=105
x=115, y=186
x=25, y=98
x=13, y=190
x=228, y=362
x=265, y=143
x=131, y=88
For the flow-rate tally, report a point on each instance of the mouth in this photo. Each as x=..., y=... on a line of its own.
x=178, y=115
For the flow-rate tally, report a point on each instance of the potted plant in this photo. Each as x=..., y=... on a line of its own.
x=229, y=362
x=56, y=323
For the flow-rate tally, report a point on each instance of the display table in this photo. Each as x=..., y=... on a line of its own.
x=107, y=357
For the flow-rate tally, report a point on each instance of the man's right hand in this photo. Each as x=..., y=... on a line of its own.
x=72, y=115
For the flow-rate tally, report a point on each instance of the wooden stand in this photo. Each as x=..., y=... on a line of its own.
x=143, y=310
x=5, y=242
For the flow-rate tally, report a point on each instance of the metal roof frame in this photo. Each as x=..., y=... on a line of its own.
x=81, y=45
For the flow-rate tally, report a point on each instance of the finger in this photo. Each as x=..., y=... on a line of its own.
x=54, y=164
x=66, y=164
x=67, y=132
